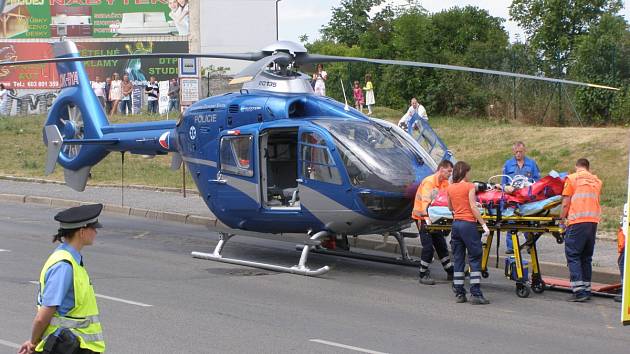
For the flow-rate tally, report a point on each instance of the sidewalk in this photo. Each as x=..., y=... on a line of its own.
x=172, y=206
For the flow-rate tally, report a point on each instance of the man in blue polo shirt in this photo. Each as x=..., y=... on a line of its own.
x=519, y=165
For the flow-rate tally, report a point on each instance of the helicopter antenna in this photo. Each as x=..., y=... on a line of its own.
x=346, y=107
x=122, y=178
x=184, y=179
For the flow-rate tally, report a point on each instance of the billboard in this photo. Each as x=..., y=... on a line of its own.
x=93, y=18
x=44, y=76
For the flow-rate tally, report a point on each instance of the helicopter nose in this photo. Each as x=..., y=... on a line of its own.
x=410, y=190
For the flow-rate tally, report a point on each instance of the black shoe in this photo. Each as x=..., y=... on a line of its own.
x=479, y=300
x=449, y=276
x=460, y=298
x=509, y=251
x=425, y=278
x=574, y=298
x=618, y=298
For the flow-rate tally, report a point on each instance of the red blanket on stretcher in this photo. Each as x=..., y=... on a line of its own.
x=545, y=188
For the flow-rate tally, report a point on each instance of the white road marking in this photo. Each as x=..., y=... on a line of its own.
x=113, y=298
x=123, y=300
x=339, y=345
x=3, y=250
x=10, y=344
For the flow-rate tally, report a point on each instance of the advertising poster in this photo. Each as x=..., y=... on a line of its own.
x=44, y=76
x=36, y=76
x=189, y=89
x=93, y=18
x=137, y=96
x=163, y=98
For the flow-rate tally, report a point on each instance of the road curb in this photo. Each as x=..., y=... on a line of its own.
x=99, y=185
x=548, y=268
x=602, y=235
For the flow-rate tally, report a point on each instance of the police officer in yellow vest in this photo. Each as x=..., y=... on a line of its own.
x=67, y=318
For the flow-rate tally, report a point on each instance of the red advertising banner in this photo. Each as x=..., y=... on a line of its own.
x=44, y=76
x=36, y=76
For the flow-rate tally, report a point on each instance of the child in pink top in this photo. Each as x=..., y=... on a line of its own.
x=358, y=96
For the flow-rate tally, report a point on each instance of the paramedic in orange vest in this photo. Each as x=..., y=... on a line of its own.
x=465, y=238
x=581, y=214
x=427, y=191
x=621, y=248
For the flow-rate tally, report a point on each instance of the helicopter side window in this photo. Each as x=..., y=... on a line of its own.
x=236, y=153
x=317, y=162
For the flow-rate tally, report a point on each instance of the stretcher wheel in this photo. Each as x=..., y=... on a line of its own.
x=539, y=287
x=485, y=274
x=522, y=290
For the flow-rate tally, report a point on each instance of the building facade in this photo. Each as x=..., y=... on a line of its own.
x=110, y=27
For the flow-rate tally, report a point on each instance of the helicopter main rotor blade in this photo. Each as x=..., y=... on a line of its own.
x=253, y=69
x=237, y=56
x=318, y=58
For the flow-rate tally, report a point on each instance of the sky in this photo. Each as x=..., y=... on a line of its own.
x=298, y=17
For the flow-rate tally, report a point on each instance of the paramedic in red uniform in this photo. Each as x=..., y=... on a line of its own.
x=427, y=191
x=581, y=214
x=465, y=238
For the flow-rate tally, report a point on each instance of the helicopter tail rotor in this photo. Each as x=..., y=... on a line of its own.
x=74, y=120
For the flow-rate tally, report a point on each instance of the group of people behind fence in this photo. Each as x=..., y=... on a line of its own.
x=318, y=82
x=116, y=95
x=580, y=216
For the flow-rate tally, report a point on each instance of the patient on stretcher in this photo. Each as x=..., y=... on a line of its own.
x=542, y=198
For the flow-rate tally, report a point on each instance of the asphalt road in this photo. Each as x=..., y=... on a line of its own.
x=605, y=257
x=177, y=304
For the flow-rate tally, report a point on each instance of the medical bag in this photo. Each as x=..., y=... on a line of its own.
x=510, y=268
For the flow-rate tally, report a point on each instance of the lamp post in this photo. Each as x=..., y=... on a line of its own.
x=277, y=36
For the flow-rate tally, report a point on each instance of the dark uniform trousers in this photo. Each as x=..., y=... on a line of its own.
x=579, y=244
x=430, y=242
x=466, y=237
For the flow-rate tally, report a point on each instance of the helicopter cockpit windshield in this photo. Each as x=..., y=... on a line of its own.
x=373, y=156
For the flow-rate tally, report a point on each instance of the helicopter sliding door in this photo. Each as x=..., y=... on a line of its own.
x=236, y=184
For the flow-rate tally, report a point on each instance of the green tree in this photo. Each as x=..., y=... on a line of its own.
x=554, y=26
x=349, y=21
x=602, y=57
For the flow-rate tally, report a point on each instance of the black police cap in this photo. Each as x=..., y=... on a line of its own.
x=80, y=216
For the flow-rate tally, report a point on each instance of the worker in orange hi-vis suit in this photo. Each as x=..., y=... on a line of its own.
x=435, y=241
x=581, y=213
x=621, y=246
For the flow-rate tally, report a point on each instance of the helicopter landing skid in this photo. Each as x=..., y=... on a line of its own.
x=404, y=258
x=300, y=268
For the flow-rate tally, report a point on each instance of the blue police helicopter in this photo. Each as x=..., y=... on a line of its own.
x=272, y=160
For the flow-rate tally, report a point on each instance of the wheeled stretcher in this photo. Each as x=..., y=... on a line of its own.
x=532, y=219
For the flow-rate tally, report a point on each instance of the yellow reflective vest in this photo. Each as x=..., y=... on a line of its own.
x=83, y=318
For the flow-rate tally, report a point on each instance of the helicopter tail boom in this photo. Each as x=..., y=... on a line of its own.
x=77, y=132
